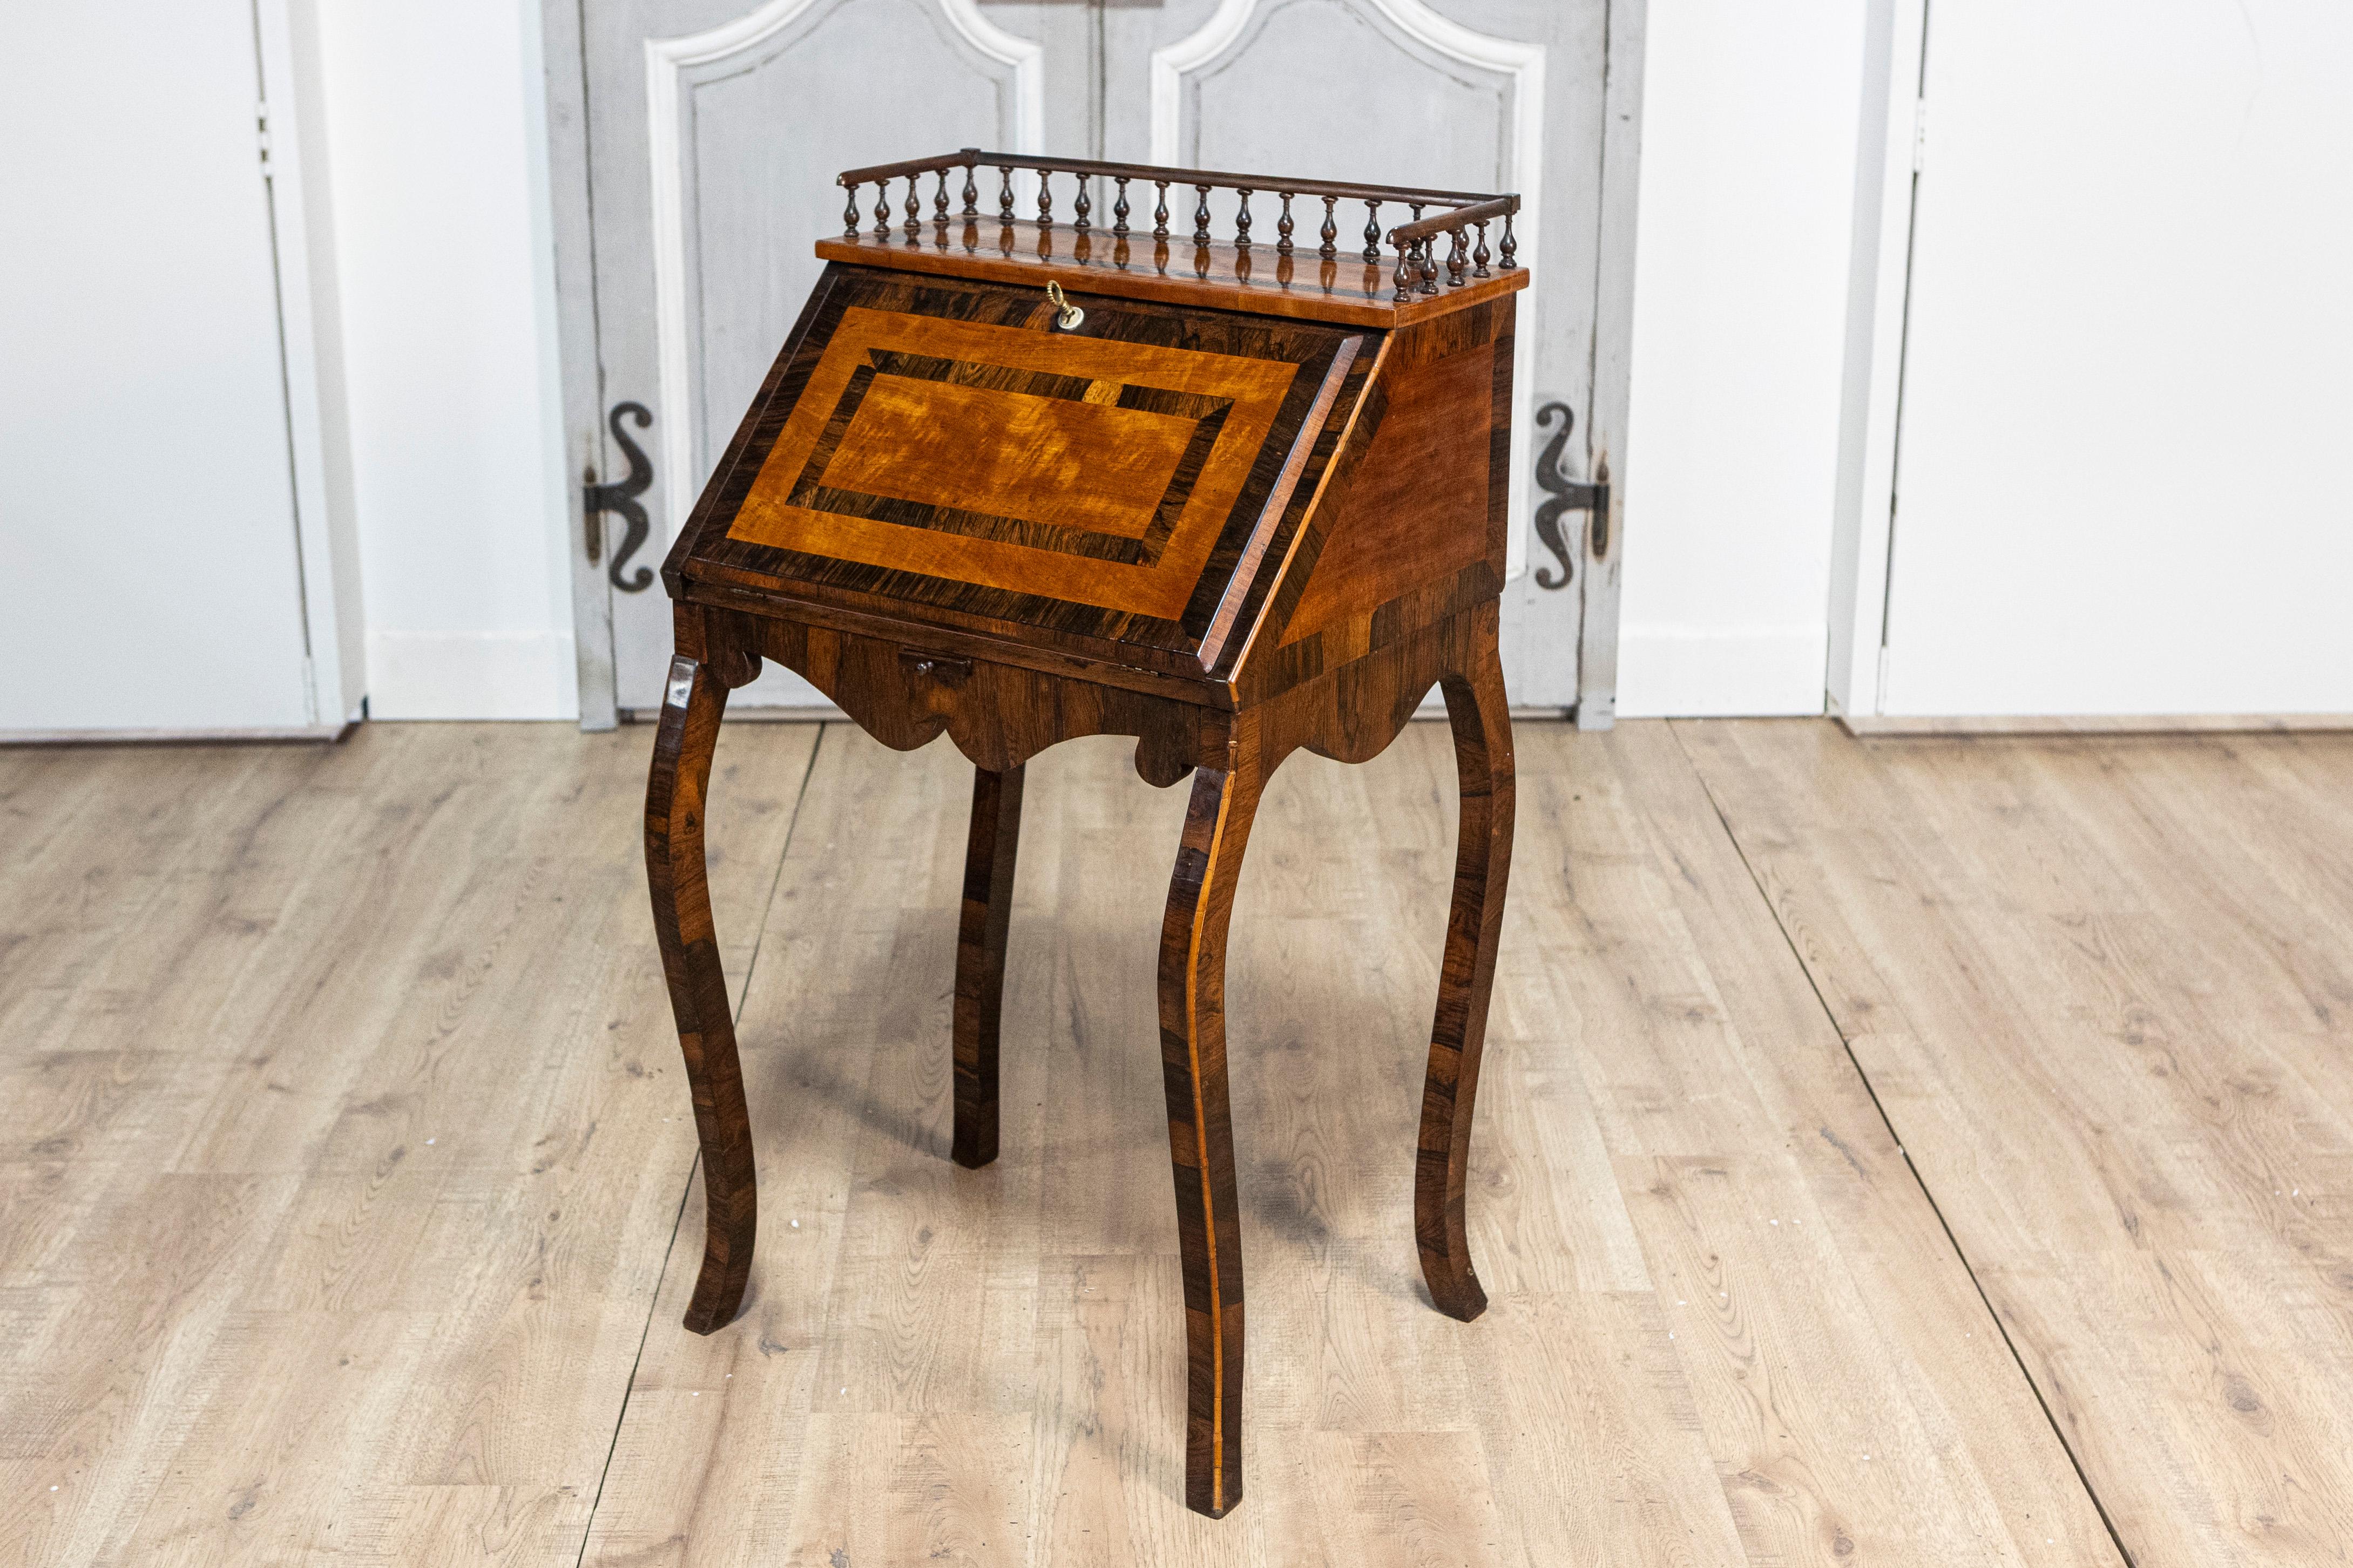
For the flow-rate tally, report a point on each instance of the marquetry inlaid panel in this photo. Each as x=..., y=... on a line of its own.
x=942, y=445
x=1097, y=471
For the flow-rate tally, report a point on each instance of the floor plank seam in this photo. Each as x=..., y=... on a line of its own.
x=694, y=1167
x=1918, y=1178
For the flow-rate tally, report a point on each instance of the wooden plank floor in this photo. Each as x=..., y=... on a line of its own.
x=339, y=1143
x=346, y=1211
x=2104, y=989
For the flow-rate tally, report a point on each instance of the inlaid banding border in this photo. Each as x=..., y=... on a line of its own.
x=710, y=546
x=1207, y=414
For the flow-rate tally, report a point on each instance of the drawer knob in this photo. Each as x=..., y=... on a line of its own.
x=942, y=668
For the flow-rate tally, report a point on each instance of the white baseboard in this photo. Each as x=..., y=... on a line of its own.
x=1432, y=710
x=2093, y=723
x=264, y=735
x=751, y=713
x=471, y=675
x=1690, y=672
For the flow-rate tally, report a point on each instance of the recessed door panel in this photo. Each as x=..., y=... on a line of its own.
x=716, y=128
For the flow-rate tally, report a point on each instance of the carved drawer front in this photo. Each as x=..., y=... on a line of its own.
x=943, y=451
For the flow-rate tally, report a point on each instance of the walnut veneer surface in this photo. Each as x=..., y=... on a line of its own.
x=962, y=503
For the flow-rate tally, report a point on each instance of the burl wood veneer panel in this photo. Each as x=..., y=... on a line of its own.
x=935, y=450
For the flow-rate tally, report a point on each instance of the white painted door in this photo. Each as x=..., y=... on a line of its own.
x=2119, y=479
x=712, y=129
x=153, y=580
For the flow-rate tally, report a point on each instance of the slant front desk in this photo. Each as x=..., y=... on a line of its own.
x=1023, y=480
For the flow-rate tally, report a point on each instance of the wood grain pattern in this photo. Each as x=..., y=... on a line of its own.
x=983, y=1363
x=337, y=1167
x=905, y=694
x=1428, y=503
x=1480, y=716
x=1076, y=455
x=1216, y=276
x=1001, y=716
x=2101, y=987
x=1020, y=445
x=329, y=1224
x=991, y=850
x=1200, y=1123
x=683, y=744
x=1343, y=527
x=1077, y=576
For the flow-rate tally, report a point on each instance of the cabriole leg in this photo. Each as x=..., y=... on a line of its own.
x=1476, y=710
x=692, y=701
x=1201, y=1129
x=989, y=860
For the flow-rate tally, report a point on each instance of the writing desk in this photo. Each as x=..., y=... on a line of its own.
x=1020, y=480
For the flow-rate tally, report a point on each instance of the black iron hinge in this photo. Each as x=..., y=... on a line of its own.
x=1567, y=495
x=621, y=498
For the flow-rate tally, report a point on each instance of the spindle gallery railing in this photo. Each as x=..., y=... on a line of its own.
x=1461, y=215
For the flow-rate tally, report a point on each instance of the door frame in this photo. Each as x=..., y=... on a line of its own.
x=1599, y=544
x=1890, y=139
x=566, y=65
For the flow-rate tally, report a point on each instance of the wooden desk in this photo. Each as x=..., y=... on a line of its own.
x=1241, y=500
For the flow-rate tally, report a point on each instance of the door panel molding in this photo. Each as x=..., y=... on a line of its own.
x=1230, y=31
x=1863, y=512
x=670, y=64
x=1523, y=63
x=691, y=283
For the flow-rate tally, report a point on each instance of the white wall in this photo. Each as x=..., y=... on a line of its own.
x=151, y=568
x=1749, y=116
x=437, y=141
x=2124, y=394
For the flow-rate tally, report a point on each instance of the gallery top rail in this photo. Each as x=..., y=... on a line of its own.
x=1461, y=212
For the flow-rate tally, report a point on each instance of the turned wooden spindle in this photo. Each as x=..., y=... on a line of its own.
x=1201, y=216
x=971, y=192
x=1160, y=213
x=1119, y=210
x=1510, y=258
x=940, y=202
x=1455, y=265
x=1406, y=269
x=1242, y=219
x=882, y=209
x=1045, y=198
x=849, y=214
x=1081, y=206
x=1282, y=227
x=1429, y=250
x=1478, y=255
x=1330, y=232
x=914, y=209
x=1005, y=194
x=1372, y=231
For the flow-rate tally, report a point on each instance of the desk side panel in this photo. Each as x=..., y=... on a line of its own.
x=1419, y=528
